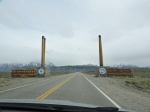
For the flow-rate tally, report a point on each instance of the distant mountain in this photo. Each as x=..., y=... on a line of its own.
x=90, y=65
x=10, y=66
x=34, y=64
x=72, y=68
x=50, y=64
x=83, y=65
x=7, y=65
x=125, y=66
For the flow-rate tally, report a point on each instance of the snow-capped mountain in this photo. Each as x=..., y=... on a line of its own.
x=9, y=66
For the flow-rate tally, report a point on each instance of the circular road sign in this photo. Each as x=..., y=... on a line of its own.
x=102, y=71
x=41, y=71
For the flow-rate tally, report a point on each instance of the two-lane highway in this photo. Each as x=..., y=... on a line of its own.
x=71, y=87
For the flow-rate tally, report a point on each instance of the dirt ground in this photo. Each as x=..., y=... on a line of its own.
x=125, y=96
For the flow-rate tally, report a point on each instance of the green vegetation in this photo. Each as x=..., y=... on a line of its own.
x=141, y=78
x=5, y=74
x=90, y=72
x=141, y=72
x=143, y=83
x=59, y=73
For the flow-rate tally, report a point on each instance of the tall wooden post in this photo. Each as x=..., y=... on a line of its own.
x=100, y=52
x=44, y=52
x=42, y=56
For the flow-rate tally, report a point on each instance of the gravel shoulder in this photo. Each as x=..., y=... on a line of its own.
x=8, y=83
x=125, y=96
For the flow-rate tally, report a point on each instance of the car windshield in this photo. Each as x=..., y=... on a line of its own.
x=90, y=52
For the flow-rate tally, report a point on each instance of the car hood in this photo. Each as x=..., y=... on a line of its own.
x=53, y=102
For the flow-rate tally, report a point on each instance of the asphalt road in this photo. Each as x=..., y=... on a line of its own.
x=71, y=87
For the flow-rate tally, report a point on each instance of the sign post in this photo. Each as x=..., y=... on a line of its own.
x=107, y=71
x=100, y=52
x=41, y=70
x=23, y=73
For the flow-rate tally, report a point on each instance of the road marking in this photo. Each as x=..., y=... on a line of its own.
x=23, y=86
x=103, y=93
x=53, y=89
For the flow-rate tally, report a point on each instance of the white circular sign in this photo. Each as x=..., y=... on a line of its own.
x=102, y=71
x=41, y=71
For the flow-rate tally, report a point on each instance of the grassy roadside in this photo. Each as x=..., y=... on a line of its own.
x=6, y=80
x=140, y=80
x=143, y=73
x=5, y=75
x=59, y=73
x=141, y=83
x=90, y=72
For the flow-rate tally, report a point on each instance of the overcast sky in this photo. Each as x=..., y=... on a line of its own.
x=71, y=28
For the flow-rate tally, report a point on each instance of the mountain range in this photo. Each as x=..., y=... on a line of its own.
x=10, y=66
x=7, y=67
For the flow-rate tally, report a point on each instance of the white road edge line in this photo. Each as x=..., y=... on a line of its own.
x=103, y=93
x=22, y=86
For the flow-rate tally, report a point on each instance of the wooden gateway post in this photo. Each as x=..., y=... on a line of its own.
x=110, y=71
x=100, y=52
x=43, y=52
x=41, y=70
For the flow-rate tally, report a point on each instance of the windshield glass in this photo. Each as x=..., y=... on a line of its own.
x=84, y=51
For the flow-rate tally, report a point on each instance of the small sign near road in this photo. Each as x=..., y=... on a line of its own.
x=119, y=72
x=19, y=73
x=102, y=71
x=41, y=71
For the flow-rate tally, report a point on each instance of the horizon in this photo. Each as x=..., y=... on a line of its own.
x=121, y=64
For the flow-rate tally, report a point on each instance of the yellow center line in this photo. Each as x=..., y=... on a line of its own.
x=53, y=89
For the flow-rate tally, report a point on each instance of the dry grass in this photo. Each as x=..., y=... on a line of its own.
x=141, y=72
x=142, y=83
x=91, y=72
x=5, y=74
x=59, y=73
x=141, y=78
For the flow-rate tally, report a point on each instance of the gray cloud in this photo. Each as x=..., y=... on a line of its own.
x=72, y=29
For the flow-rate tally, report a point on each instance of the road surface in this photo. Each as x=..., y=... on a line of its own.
x=74, y=87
